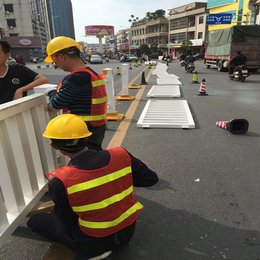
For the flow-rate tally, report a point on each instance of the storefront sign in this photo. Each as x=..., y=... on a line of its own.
x=25, y=42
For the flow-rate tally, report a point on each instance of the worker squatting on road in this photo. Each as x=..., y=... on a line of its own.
x=95, y=207
x=82, y=92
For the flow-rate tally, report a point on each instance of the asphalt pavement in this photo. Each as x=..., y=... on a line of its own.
x=206, y=204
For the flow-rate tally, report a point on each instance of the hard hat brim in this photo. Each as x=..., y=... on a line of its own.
x=48, y=59
x=67, y=138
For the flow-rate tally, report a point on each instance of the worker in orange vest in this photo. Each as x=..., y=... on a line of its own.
x=94, y=201
x=82, y=92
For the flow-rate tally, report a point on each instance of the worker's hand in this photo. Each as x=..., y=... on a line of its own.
x=18, y=94
x=49, y=90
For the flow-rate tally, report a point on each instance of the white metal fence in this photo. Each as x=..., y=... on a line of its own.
x=25, y=156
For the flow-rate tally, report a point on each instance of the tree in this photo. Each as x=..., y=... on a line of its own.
x=144, y=48
x=133, y=19
x=186, y=44
x=160, y=13
x=154, y=48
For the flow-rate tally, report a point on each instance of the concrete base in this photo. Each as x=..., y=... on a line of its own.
x=134, y=86
x=115, y=116
x=125, y=97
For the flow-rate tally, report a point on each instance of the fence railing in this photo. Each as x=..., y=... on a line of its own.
x=25, y=156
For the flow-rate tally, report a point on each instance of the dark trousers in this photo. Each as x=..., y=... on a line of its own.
x=84, y=247
x=231, y=69
x=95, y=140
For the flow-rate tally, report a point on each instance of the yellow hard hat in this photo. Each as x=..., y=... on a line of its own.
x=66, y=126
x=60, y=43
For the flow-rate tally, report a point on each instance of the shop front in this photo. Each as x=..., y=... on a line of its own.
x=26, y=47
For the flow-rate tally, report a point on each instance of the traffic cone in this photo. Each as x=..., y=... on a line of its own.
x=118, y=71
x=143, y=79
x=195, y=78
x=130, y=66
x=149, y=66
x=235, y=126
x=202, y=91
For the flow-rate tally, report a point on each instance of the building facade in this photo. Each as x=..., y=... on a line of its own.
x=187, y=22
x=60, y=18
x=150, y=31
x=21, y=29
x=244, y=12
x=123, y=41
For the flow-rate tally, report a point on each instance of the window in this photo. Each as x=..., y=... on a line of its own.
x=178, y=23
x=201, y=19
x=9, y=8
x=200, y=35
x=13, y=34
x=11, y=22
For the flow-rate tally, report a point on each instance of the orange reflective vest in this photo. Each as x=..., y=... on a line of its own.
x=99, y=100
x=102, y=198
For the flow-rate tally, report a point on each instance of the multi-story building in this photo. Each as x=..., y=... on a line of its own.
x=61, y=18
x=187, y=22
x=18, y=28
x=148, y=31
x=244, y=12
x=123, y=39
x=110, y=44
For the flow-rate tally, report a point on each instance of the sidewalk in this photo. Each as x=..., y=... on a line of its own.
x=40, y=65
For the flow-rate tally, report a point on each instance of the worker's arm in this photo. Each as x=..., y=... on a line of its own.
x=142, y=175
x=73, y=88
x=39, y=80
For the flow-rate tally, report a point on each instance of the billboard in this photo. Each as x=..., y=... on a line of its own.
x=99, y=30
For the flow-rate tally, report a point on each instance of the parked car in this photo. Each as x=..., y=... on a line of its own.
x=129, y=58
x=96, y=59
x=11, y=61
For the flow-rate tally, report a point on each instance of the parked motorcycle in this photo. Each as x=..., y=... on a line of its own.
x=182, y=63
x=240, y=73
x=190, y=67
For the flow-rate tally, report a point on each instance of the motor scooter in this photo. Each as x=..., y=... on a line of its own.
x=107, y=59
x=240, y=73
x=182, y=63
x=190, y=67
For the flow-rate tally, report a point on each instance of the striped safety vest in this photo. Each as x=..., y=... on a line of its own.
x=99, y=100
x=102, y=198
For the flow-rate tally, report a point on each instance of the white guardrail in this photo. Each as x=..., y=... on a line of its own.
x=25, y=157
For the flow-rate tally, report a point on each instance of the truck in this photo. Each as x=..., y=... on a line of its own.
x=223, y=44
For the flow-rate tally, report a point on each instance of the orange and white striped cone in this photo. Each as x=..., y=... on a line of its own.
x=222, y=124
x=202, y=91
x=234, y=126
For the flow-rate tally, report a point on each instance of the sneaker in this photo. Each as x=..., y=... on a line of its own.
x=103, y=256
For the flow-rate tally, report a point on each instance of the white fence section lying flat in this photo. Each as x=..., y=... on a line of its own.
x=167, y=76
x=167, y=91
x=166, y=114
x=168, y=81
x=25, y=156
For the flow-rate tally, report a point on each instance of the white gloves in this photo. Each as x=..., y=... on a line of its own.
x=49, y=90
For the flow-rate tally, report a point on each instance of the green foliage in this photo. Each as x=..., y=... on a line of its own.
x=160, y=13
x=144, y=48
x=154, y=47
x=186, y=44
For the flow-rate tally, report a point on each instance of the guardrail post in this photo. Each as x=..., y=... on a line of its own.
x=112, y=114
x=125, y=77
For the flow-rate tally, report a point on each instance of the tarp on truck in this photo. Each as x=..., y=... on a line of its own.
x=219, y=41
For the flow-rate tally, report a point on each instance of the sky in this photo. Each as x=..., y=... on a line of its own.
x=115, y=13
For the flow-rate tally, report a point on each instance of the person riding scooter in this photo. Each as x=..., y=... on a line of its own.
x=240, y=59
x=188, y=60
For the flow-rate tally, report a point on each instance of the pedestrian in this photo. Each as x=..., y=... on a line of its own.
x=94, y=201
x=21, y=60
x=82, y=92
x=15, y=79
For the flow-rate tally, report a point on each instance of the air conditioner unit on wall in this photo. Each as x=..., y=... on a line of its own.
x=7, y=12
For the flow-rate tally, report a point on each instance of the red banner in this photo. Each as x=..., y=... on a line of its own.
x=99, y=30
